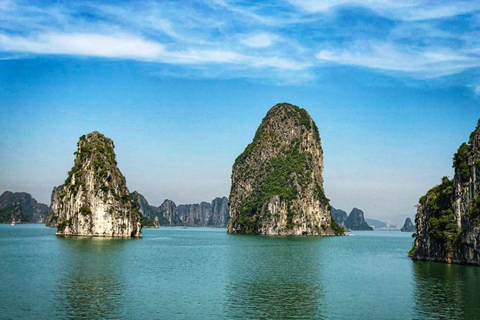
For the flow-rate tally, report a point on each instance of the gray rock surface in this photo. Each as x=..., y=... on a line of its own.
x=219, y=213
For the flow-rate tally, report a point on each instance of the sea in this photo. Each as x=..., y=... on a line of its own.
x=205, y=273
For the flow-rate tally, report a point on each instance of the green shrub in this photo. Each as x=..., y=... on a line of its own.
x=460, y=163
x=85, y=211
x=441, y=223
x=146, y=222
x=339, y=230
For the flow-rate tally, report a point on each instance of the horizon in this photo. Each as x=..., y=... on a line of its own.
x=393, y=88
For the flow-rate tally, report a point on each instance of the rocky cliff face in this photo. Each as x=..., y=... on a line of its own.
x=448, y=216
x=356, y=221
x=339, y=216
x=94, y=200
x=219, y=213
x=194, y=215
x=20, y=207
x=144, y=208
x=168, y=213
x=204, y=214
x=277, y=182
x=408, y=226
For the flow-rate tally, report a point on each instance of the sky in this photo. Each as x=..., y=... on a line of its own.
x=181, y=87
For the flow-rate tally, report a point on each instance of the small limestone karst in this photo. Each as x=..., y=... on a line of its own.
x=356, y=221
x=94, y=200
x=408, y=226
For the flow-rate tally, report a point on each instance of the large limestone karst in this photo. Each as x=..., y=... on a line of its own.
x=277, y=182
x=448, y=216
x=94, y=200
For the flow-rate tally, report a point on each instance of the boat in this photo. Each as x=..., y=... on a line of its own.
x=13, y=223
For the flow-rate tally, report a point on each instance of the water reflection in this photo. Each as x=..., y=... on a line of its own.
x=274, y=278
x=91, y=286
x=446, y=291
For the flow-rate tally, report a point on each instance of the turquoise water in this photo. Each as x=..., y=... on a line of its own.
x=200, y=273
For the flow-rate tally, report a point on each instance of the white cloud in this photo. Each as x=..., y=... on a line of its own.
x=279, y=63
x=195, y=56
x=424, y=63
x=261, y=40
x=244, y=39
x=133, y=47
x=408, y=10
x=477, y=90
x=85, y=44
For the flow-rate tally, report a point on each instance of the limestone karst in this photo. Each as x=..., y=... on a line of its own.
x=339, y=216
x=277, y=182
x=408, y=226
x=20, y=207
x=356, y=221
x=94, y=200
x=448, y=215
x=204, y=214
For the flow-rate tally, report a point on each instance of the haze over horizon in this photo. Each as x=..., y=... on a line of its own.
x=181, y=87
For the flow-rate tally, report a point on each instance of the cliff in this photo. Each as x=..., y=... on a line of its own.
x=194, y=215
x=219, y=213
x=408, y=226
x=356, y=221
x=448, y=216
x=144, y=208
x=277, y=182
x=20, y=207
x=339, y=216
x=168, y=213
x=94, y=200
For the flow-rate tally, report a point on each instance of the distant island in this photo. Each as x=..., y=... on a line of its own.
x=448, y=216
x=408, y=226
x=376, y=224
x=203, y=214
x=354, y=221
x=20, y=207
x=277, y=182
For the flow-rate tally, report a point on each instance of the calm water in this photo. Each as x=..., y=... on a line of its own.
x=174, y=273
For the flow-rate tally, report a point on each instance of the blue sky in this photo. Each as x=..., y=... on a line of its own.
x=181, y=87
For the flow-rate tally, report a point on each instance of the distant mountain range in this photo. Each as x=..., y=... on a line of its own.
x=20, y=207
x=203, y=214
